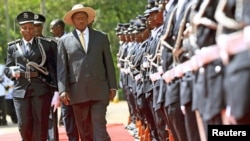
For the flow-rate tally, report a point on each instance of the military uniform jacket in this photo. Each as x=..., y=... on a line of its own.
x=38, y=84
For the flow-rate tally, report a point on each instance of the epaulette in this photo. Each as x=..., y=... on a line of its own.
x=14, y=42
x=54, y=40
x=44, y=38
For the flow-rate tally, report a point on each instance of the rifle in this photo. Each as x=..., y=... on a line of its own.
x=177, y=48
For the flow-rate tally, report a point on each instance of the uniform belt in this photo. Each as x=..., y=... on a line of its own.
x=31, y=74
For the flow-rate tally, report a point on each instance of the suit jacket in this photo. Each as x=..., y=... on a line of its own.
x=86, y=76
x=38, y=84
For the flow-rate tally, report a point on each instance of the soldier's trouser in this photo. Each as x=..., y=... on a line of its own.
x=131, y=103
x=176, y=119
x=143, y=105
x=191, y=124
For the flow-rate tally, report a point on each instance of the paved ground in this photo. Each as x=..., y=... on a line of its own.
x=117, y=113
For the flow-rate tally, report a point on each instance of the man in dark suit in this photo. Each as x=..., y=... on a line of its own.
x=33, y=75
x=86, y=74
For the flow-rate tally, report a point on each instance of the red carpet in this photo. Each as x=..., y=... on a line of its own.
x=117, y=132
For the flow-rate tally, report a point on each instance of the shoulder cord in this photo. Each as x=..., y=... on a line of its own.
x=222, y=19
x=39, y=67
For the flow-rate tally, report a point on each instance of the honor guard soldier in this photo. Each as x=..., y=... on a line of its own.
x=172, y=100
x=146, y=98
x=125, y=79
x=181, y=54
x=208, y=77
x=30, y=65
x=156, y=22
x=233, y=41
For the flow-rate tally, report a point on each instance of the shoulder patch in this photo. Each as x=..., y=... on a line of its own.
x=14, y=42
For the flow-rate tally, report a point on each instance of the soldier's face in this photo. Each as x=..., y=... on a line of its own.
x=159, y=17
x=80, y=20
x=27, y=31
x=151, y=20
x=38, y=30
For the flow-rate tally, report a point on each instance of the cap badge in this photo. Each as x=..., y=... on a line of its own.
x=25, y=15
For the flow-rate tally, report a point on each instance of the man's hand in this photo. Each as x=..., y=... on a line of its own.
x=64, y=97
x=112, y=93
x=55, y=101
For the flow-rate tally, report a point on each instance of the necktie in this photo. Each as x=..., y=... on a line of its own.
x=82, y=40
x=28, y=46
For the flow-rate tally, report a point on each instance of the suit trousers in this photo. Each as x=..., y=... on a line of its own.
x=69, y=122
x=91, y=120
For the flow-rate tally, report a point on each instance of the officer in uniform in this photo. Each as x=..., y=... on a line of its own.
x=39, y=21
x=31, y=65
x=172, y=99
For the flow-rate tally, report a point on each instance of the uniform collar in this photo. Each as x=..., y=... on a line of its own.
x=25, y=42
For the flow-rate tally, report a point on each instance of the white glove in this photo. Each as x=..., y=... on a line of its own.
x=55, y=101
x=183, y=109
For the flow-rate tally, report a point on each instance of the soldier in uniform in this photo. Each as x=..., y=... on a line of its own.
x=126, y=79
x=233, y=41
x=145, y=99
x=156, y=70
x=39, y=21
x=32, y=68
x=131, y=47
x=180, y=55
x=120, y=64
x=172, y=99
x=208, y=78
x=135, y=69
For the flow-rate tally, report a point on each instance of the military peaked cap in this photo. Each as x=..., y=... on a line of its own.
x=39, y=19
x=25, y=17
